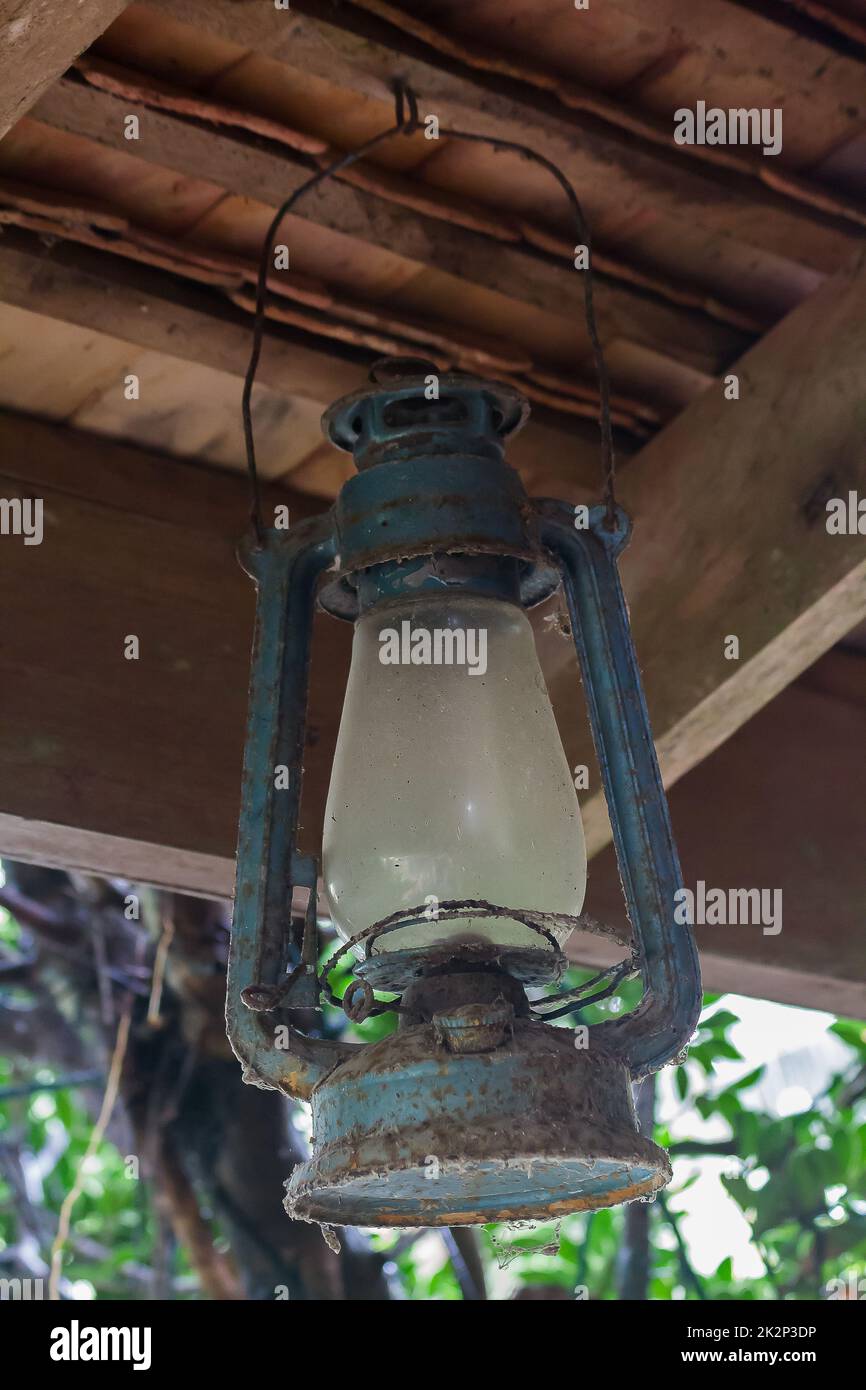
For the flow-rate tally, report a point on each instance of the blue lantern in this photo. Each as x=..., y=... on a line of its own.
x=453, y=856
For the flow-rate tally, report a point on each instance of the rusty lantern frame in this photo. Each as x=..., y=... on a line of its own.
x=555, y=1130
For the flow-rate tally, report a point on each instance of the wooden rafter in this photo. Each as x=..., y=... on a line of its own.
x=400, y=214
x=155, y=310
x=35, y=48
x=365, y=57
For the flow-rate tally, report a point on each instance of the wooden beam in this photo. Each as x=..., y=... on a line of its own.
x=731, y=538
x=332, y=314
x=160, y=311
x=244, y=164
x=779, y=807
x=156, y=310
x=734, y=38
x=37, y=44
x=132, y=766
x=351, y=48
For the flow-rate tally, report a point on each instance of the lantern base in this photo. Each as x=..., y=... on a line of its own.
x=413, y=1133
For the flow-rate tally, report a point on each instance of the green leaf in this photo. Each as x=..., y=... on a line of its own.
x=750, y=1079
x=851, y=1032
x=721, y=1020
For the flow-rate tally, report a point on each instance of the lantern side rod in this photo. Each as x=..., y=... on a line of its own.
x=662, y=1024
x=286, y=568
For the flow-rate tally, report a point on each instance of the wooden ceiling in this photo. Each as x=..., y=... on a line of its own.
x=432, y=246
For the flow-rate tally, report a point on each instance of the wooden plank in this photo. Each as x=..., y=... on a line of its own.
x=132, y=764
x=240, y=163
x=652, y=61
x=74, y=375
x=157, y=311
x=119, y=477
x=36, y=46
x=779, y=807
x=616, y=163
x=64, y=846
x=441, y=323
x=746, y=555
x=731, y=539
x=161, y=312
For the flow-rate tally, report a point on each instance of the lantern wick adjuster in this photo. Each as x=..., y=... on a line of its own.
x=358, y=1000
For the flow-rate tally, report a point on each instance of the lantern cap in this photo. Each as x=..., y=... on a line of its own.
x=398, y=415
x=433, y=489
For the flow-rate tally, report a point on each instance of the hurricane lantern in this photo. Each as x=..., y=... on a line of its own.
x=453, y=856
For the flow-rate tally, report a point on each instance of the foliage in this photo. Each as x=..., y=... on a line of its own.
x=114, y=1234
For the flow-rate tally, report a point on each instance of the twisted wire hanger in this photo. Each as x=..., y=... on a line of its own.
x=406, y=122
